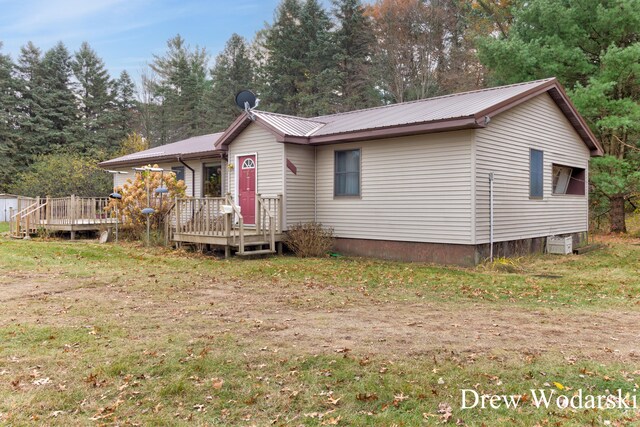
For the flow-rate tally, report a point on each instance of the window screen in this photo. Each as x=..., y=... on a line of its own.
x=536, y=173
x=347, y=173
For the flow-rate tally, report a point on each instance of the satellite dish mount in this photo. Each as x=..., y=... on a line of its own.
x=247, y=101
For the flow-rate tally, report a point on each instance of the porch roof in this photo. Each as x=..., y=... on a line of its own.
x=197, y=147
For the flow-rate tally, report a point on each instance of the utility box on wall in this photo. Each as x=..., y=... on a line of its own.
x=559, y=245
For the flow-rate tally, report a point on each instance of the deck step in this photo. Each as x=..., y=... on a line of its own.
x=259, y=252
x=260, y=243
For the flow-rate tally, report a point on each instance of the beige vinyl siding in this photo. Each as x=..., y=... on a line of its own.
x=300, y=187
x=503, y=148
x=197, y=165
x=415, y=188
x=270, y=159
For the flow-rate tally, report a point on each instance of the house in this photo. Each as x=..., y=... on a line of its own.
x=193, y=160
x=411, y=181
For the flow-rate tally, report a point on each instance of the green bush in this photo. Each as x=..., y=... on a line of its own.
x=61, y=175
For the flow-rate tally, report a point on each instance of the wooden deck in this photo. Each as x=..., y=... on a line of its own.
x=69, y=214
x=218, y=221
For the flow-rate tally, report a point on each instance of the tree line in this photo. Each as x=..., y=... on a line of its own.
x=311, y=60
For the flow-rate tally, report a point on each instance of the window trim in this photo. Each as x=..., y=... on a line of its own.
x=335, y=172
x=531, y=196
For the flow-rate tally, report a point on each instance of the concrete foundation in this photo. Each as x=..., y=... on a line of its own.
x=446, y=253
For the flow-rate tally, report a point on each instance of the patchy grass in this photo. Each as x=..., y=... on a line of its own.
x=125, y=334
x=4, y=227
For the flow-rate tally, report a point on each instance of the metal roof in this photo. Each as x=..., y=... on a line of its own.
x=467, y=110
x=290, y=125
x=425, y=110
x=197, y=146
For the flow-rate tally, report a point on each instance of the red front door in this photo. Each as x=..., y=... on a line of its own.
x=247, y=188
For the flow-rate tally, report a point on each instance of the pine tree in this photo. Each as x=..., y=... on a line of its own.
x=283, y=69
x=181, y=87
x=9, y=154
x=355, y=43
x=232, y=72
x=94, y=93
x=34, y=123
x=124, y=107
x=318, y=84
x=58, y=102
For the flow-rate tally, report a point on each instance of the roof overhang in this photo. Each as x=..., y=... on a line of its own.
x=213, y=154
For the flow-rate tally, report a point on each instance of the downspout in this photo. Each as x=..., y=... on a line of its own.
x=193, y=176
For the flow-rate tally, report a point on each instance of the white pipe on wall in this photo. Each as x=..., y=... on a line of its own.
x=491, y=216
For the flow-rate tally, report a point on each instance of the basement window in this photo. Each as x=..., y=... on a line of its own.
x=347, y=173
x=568, y=180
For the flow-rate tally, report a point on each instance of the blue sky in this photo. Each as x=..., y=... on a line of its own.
x=126, y=33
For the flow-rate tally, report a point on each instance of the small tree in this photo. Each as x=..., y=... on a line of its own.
x=133, y=143
x=139, y=193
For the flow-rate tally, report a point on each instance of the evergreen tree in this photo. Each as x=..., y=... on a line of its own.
x=355, y=43
x=58, y=103
x=9, y=154
x=181, y=87
x=282, y=71
x=34, y=123
x=95, y=98
x=300, y=75
x=124, y=108
x=319, y=81
x=232, y=72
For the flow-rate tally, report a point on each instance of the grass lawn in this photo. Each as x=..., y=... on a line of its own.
x=4, y=227
x=124, y=335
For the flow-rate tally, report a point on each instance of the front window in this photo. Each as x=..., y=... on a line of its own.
x=212, y=180
x=347, y=173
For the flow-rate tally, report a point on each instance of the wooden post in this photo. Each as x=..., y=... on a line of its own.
x=279, y=222
x=258, y=214
x=47, y=219
x=177, y=216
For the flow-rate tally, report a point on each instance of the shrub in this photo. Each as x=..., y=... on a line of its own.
x=134, y=199
x=309, y=239
x=61, y=175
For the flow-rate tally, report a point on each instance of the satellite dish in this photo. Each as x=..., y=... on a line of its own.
x=246, y=100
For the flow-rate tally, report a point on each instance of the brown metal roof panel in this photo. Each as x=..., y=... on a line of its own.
x=289, y=125
x=432, y=109
x=187, y=147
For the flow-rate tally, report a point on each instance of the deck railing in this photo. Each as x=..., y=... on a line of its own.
x=78, y=210
x=268, y=220
x=65, y=211
x=221, y=217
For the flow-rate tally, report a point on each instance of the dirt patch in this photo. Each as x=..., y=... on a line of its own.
x=414, y=328
x=19, y=285
x=323, y=319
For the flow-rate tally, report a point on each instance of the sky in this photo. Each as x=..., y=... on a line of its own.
x=126, y=33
